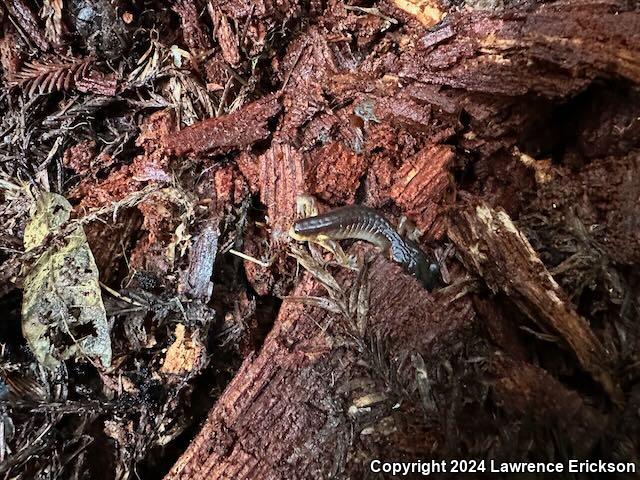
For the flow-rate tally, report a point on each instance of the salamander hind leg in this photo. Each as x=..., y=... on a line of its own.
x=306, y=206
x=408, y=229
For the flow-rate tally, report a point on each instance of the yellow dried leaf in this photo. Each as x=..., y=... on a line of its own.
x=62, y=311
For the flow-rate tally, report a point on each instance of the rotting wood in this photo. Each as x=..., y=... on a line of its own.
x=281, y=180
x=196, y=281
x=531, y=106
x=342, y=398
x=194, y=35
x=555, y=50
x=524, y=390
x=27, y=23
x=334, y=172
x=300, y=392
x=490, y=244
x=236, y=130
x=420, y=185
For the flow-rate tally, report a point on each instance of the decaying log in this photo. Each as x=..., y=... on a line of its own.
x=314, y=386
x=555, y=50
x=526, y=391
x=318, y=385
x=490, y=244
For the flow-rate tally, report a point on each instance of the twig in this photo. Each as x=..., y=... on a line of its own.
x=223, y=98
x=262, y=263
x=122, y=297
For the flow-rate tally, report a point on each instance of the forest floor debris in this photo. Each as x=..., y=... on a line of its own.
x=169, y=143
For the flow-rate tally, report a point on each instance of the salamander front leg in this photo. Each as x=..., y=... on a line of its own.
x=306, y=206
x=340, y=257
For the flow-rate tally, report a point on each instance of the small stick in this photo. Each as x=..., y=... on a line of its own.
x=121, y=297
x=249, y=258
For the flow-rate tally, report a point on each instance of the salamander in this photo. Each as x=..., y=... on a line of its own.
x=364, y=223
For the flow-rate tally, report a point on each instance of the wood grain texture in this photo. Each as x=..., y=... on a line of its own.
x=490, y=244
x=236, y=130
x=554, y=50
x=306, y=390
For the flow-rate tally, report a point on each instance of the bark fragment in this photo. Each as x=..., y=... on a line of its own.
x=27, y=23
x=227, y=38
x=281, y=180
x=420, y=185
x=196, y=281
x=192, y=29
x=236, y=130
x=334, y=173
x=186, y=355
x=152, y=166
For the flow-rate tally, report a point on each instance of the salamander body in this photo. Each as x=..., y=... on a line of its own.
x=364, y=223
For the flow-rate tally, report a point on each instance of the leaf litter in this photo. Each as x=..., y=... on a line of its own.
x=182, y=133
x=62, y=311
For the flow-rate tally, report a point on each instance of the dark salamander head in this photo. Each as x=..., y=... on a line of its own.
x=416, y=263
x=428, y=273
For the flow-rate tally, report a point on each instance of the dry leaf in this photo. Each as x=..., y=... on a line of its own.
x=52, y=14
x=62, y=311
